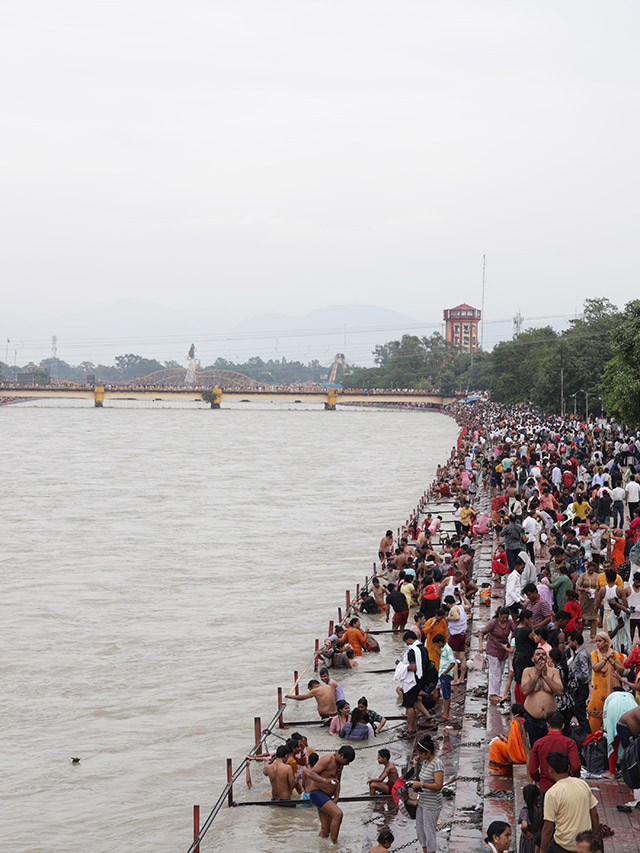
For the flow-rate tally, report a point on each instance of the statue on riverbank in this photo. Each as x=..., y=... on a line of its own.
x=190, y=376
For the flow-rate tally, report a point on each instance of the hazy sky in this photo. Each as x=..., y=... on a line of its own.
x=282, y=156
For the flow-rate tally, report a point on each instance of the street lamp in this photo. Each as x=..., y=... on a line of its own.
x=575, y=397
x=579, y=391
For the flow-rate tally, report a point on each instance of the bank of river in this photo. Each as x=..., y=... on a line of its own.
x=163, y=571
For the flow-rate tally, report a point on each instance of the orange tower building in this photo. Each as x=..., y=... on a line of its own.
x=462, y=327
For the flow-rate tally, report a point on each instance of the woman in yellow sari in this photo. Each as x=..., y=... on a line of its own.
x=604, y=663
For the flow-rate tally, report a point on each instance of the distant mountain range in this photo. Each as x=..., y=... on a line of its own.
x=156, y=331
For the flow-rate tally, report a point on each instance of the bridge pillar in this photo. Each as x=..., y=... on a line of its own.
x=98, y=396
x=330, y=405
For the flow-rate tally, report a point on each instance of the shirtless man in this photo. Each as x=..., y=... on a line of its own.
x=378, y=592
x=540, y=685
x=326, y=679
x=325, y=790
x=281, y=776
x=399, y=561
x=385, y=840
x=383, y=783
x=325, y=696
x=386, y=546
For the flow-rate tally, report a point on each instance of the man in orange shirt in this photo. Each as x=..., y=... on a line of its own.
x=355, y=637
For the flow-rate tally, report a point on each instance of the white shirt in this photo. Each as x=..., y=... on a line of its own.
x=512, y=594
x=531, y=527
x=633, y=600
x=633, y=492
x=617, y=494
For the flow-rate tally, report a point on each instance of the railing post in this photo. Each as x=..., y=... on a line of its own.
x=348, y=597
x=296, y=688
x=340, y=615
x=330, y=627
x=196, y=827
x=230, y=782
x=315, y=657
x=280, y=720
x=257, y=729
x=357, y=592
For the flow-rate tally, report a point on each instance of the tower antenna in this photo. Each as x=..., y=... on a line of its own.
x=517, y=324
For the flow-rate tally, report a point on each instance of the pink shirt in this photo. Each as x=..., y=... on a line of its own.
x=337, y=725
x=546, y=593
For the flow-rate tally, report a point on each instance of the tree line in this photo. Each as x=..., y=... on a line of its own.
x=598, y=358
x=596, y=361
x=132, y=366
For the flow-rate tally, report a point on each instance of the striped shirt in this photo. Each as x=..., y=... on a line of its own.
x=430, y=800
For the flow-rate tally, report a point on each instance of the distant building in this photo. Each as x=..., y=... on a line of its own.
x=462, y=327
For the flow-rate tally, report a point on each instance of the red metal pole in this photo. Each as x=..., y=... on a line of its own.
x=348, y=600
x=340, y=615
x=315, y=659
x=196, y=826
x=257, y=729
x=331, y=627
x=357, y=592
x=229, y=781
x=295, y=681
x=280, y=720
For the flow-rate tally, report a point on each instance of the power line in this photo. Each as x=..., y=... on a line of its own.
x=263, y=335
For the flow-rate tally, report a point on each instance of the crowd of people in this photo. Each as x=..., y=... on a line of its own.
x=563, y=514
x=565, y=521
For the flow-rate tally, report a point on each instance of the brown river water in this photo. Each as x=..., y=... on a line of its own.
x=163, y=571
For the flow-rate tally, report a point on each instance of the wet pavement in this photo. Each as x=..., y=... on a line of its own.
x=474, y=795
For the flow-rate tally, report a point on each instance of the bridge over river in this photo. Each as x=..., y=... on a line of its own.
x=330, y=397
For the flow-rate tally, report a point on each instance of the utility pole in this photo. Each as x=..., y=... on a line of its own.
x=562, y=380
x=482, y=317
x=54, y=357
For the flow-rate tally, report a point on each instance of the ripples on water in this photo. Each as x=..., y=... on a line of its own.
x=163, y=572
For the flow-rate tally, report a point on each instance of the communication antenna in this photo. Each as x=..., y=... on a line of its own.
x=517, y=324
x=482, y=312
x=54, y=357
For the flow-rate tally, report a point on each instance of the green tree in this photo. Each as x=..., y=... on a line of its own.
x=621, y=382
x=587, y=347
x=519, y=364
x=133, y=366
